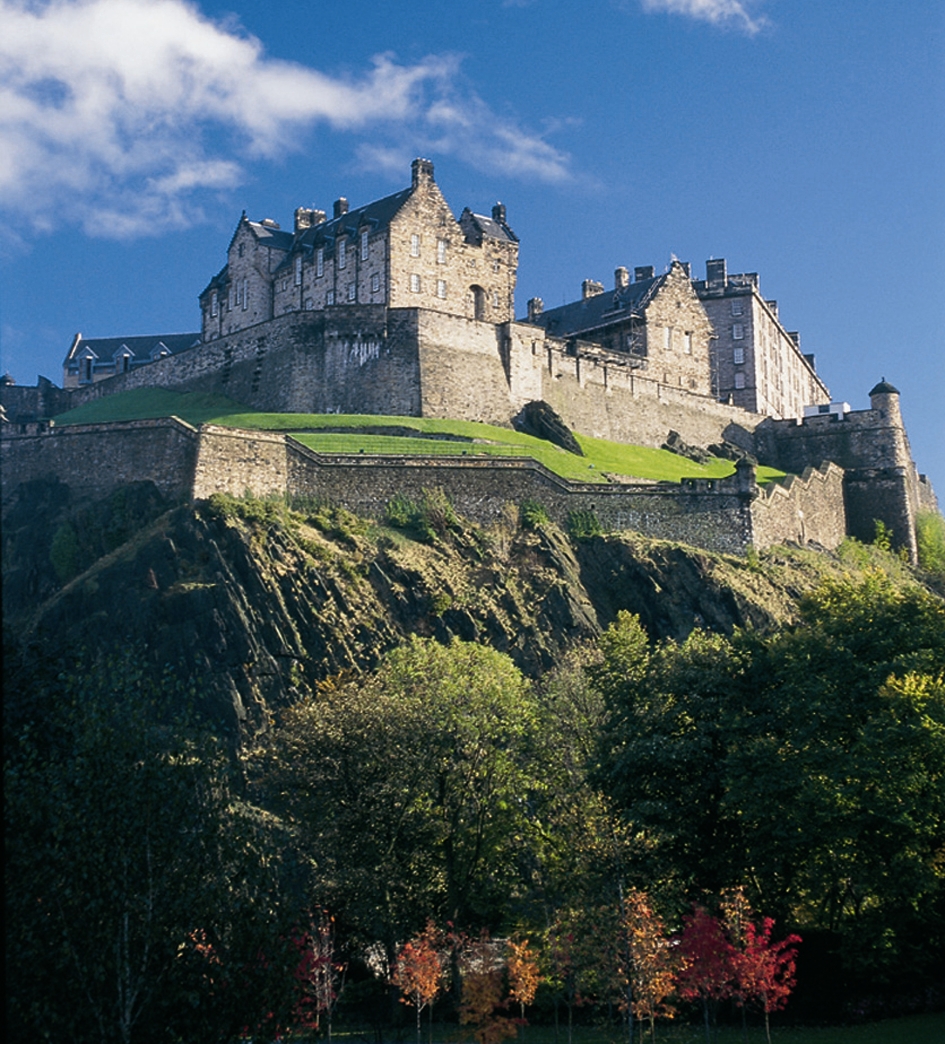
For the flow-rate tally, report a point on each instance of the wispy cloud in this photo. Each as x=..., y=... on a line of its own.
x=122, y=114
x=734, y=13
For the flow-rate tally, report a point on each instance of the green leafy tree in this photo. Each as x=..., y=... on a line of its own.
x=412, y=788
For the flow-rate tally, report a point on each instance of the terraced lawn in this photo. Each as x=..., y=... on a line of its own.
x=421, y=436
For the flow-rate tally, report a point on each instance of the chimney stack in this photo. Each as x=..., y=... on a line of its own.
x=421, y=170
x=642, y=272
x=306, y=217
x=715, y=274
x=498, y=213
x=621, y=278
x=591, y=288
x=341, y=207
x=535, y=307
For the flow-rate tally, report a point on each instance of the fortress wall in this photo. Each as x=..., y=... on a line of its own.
x=873, y=494
x=614, y=402
x=95, y=459
x=715, y=516
x=461, y=369
x=236, y=461
x=808, y=508
x=927, y=501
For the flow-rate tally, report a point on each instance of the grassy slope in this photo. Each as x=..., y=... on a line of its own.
x=600, y=456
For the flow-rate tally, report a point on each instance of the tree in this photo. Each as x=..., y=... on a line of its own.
x=524, y=975
x=140, y=890
x=765, y=970
x=485, y=1000
x=413, y=789
x=418, y=971
x=707, y=962
x=651, y=964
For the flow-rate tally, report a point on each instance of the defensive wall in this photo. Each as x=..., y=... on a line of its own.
x=725, y=515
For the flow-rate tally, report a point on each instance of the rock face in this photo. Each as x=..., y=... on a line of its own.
x=258, y=604
x=540, y=420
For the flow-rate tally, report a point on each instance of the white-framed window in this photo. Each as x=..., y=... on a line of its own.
x=414, y=283
x=738, y=307
x=298, y=270
x=739, y=379
x=667, y=337
x=415, y=245
x=364, y=244
x=320, y=262
x=330, y=297
x=441, y=251
x=738, y=331
x=213, y=304
x=738, y=356
x=687, y=342
x=495, y=298
x=352, y=291
x=342, y=253
x=245, y=294
x=441, y=289
x=375, y=282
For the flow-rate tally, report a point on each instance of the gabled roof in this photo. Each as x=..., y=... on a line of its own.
x=271, y=235
x=108, y=349
x=376, y=215
x=486, y=227
x=590, y=313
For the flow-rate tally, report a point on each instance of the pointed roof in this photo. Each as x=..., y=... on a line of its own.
x=590, y=313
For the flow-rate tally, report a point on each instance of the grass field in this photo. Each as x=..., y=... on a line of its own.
x=913, y=1029
x=600, y=457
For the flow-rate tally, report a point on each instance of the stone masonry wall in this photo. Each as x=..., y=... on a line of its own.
x=806, y=508
x=94, y=459
x=239, y=462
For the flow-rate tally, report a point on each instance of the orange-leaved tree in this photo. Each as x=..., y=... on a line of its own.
x=418, y=971
x=524, y=975
x=649, y=958
x=485, y=999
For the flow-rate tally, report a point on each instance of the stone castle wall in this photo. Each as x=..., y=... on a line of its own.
x=724, y=515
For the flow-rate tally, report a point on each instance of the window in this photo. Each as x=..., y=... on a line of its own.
x=320, y=262
x=298, y=270
x=737, y=307
x=375, y=283
x=330, y=297
x=687, y=342
x=239, y=250
x=309, y=304
x=213, y=304
x=495, y=266
x=342, y=253
x=125, y=363
x=667, y=337
x=245, y=294
x=739, y=380
x=495, y=298
x=738, y=356
x=738, y=331
x=441, y=288
x=285, y=284
x=415, y=245
x=87, y=369
x=414, y=283
x=364, y=245
x=441, y=251
x=352, y=292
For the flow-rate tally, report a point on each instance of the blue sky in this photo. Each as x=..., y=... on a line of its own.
x=800, y=139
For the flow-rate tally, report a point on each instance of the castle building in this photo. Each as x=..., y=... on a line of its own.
x=90, y=360
x=655, y=323
x=756, y=363
x=404, y=251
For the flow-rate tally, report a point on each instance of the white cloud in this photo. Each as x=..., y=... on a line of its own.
x=119, y=114
x=719, y=12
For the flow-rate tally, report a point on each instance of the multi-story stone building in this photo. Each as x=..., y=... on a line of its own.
x=404, y=251
x=655, y=324
x=93, y=359
x=756, y=363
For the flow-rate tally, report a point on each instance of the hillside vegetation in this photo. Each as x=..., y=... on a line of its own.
x=424, y=436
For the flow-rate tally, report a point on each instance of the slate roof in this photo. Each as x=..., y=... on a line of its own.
x=591, y=313
x=487, y=226
x=143, y=349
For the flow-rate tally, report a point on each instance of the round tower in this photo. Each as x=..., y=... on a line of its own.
x=884, y=398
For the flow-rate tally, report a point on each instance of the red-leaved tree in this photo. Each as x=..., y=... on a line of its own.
x=707, y=972
x=765, y=970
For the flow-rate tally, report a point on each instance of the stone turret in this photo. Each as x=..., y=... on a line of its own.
x=885, y=399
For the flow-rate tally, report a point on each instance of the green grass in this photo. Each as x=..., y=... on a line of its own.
x=600, y=456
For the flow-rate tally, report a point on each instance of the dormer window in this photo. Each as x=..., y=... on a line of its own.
x=342, y=253
x=364, y=244
x=298, y=270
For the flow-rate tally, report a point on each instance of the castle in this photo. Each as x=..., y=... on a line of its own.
x=398, y=307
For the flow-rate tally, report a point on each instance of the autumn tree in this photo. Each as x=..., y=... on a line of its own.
x=650, y=962
x=485, y=999
x=523, y=972
x=418, y=971
x=707, y=962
